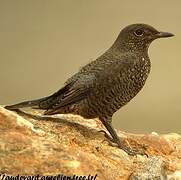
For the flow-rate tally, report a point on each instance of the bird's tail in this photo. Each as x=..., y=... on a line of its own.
x=42, y=103
x=38, y=103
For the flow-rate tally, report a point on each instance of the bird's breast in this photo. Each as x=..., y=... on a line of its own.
x=117, y=91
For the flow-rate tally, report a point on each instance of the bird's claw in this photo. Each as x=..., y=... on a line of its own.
x=133, y=152
x=125, y=147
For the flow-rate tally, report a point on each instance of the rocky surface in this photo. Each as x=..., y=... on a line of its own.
x=31, y=144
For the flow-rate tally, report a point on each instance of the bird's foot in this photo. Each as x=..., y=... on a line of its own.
x=133, y=151
x=125, y=146
x=129, y=150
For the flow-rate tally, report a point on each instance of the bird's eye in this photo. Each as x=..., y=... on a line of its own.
x=139, y=32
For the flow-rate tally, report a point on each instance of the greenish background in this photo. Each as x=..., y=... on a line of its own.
x=44, y=42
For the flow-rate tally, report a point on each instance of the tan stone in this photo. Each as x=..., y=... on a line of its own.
x=67, y=144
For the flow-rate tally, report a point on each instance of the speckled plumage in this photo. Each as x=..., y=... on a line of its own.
x=111, y=81
x=105, y=85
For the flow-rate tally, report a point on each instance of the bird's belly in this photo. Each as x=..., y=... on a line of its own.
x=113, y=99
x=104, y=101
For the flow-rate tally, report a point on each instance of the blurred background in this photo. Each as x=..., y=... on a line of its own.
x=42, y=43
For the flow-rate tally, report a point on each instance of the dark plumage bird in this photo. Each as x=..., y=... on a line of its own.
x=106, y=84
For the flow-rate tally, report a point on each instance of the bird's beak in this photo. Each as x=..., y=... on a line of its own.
x=164, y=35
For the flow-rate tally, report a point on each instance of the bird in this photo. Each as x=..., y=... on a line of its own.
x=106, y=84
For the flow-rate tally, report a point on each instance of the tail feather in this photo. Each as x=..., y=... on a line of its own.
x=42, y=103
x=34, y=104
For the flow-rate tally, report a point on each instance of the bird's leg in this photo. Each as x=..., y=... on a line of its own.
x=119, y=141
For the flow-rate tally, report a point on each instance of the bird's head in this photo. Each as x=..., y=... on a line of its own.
x=139, y=36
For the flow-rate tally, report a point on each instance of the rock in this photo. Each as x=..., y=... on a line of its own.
x=31, y=144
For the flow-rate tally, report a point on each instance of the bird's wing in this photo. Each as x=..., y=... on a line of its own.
x=80, y=85
x=72, y=92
